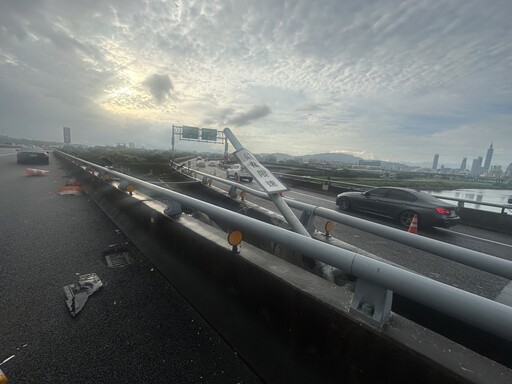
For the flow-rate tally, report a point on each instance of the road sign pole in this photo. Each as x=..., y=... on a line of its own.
x=172, y=143
x=279, y=202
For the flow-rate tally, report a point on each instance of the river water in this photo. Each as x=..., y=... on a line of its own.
x=495, y=196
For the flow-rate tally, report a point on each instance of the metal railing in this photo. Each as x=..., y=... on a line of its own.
x=461, y=202
x=475, y=259
x=478, y=311
x=364, y=187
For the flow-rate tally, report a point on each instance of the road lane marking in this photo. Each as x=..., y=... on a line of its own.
x=8, y=154
x=311, y=196
x=475, y=237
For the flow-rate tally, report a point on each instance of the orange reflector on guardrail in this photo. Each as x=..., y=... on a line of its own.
x=3, y=378
x=328, y=227
x=235, y=238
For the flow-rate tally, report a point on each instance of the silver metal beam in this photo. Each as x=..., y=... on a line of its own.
x=468, y=307
x=280, y=204
x=475, y=259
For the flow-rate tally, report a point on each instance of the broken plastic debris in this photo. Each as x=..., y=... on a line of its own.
x=36, y=172
x=72, y=182
x=70, y=190
x=6, y=360
x=118, y=260
x=77, y=294
x=116, y=248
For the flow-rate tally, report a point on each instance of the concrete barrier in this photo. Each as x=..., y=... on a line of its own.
x=289, y=325
x=499, y=222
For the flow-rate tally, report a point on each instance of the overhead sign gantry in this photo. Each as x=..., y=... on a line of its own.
x=204, y=135
x=262, y=175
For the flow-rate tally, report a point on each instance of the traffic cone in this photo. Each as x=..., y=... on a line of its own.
x=70, y=190
x=35, y=172
x=413, y=227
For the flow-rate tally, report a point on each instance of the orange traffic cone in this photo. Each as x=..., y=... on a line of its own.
x=70, y=190
x=35, y=172
x=413, y=227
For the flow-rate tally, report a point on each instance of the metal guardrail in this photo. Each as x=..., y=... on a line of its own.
x=462, y=201
x=364, y=187
x=478, y=311
x=332, y=182
x=475, y=259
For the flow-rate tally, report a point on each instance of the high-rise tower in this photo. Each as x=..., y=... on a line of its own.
x=488, y=158
x=464, y=164
x=436, y=160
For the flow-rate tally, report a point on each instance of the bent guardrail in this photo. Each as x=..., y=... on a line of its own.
x=378, y=278
x=475, y=259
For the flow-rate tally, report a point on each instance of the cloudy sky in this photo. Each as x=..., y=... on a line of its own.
x=392, y=80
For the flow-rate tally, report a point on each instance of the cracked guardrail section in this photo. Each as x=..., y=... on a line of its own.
x=280, y=316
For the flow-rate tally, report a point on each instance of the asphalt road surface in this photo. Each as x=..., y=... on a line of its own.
x=135, y=329
x=435, y=267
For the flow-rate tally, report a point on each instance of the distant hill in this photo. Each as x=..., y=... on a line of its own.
x=332, y=157
x=335, y=158
x=17, y=141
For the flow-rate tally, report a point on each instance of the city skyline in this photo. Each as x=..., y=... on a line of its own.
x=392, y=80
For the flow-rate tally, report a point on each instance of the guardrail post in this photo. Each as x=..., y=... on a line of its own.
x=173, y=208
x=232, y=192
x=371, y=302
x=307, y=219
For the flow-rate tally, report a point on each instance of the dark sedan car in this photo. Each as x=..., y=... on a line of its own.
x=401, y=204
x=32, y=155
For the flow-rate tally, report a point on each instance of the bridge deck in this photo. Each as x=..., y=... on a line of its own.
x=136, y=328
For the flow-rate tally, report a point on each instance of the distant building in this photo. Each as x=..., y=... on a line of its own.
x=488, y=158
x=464, y=163
x=476, y=168
x=495, y=171
x=67, y=135
x=436, y=160
x=131, y=145
x=508, y=172
x=373, y=163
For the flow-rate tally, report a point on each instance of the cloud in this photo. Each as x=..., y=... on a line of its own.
x=160, y=87
x=397, y=79
x=255, y=113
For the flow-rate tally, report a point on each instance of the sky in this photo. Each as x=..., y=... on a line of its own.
x=390, y=80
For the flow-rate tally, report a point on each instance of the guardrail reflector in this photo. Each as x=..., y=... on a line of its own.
x=234, y=239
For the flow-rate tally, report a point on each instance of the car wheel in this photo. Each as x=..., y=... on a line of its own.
x=344, y=203
x=405, y=218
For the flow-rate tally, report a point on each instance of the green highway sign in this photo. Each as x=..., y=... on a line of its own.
x=208, y=134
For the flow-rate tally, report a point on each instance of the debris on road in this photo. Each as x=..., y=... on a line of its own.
x=77, y=294
x=36, y=172
x=70, y=190
x=118, y=260
x=72, y=182
x=116, y=248
x=6, y=360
